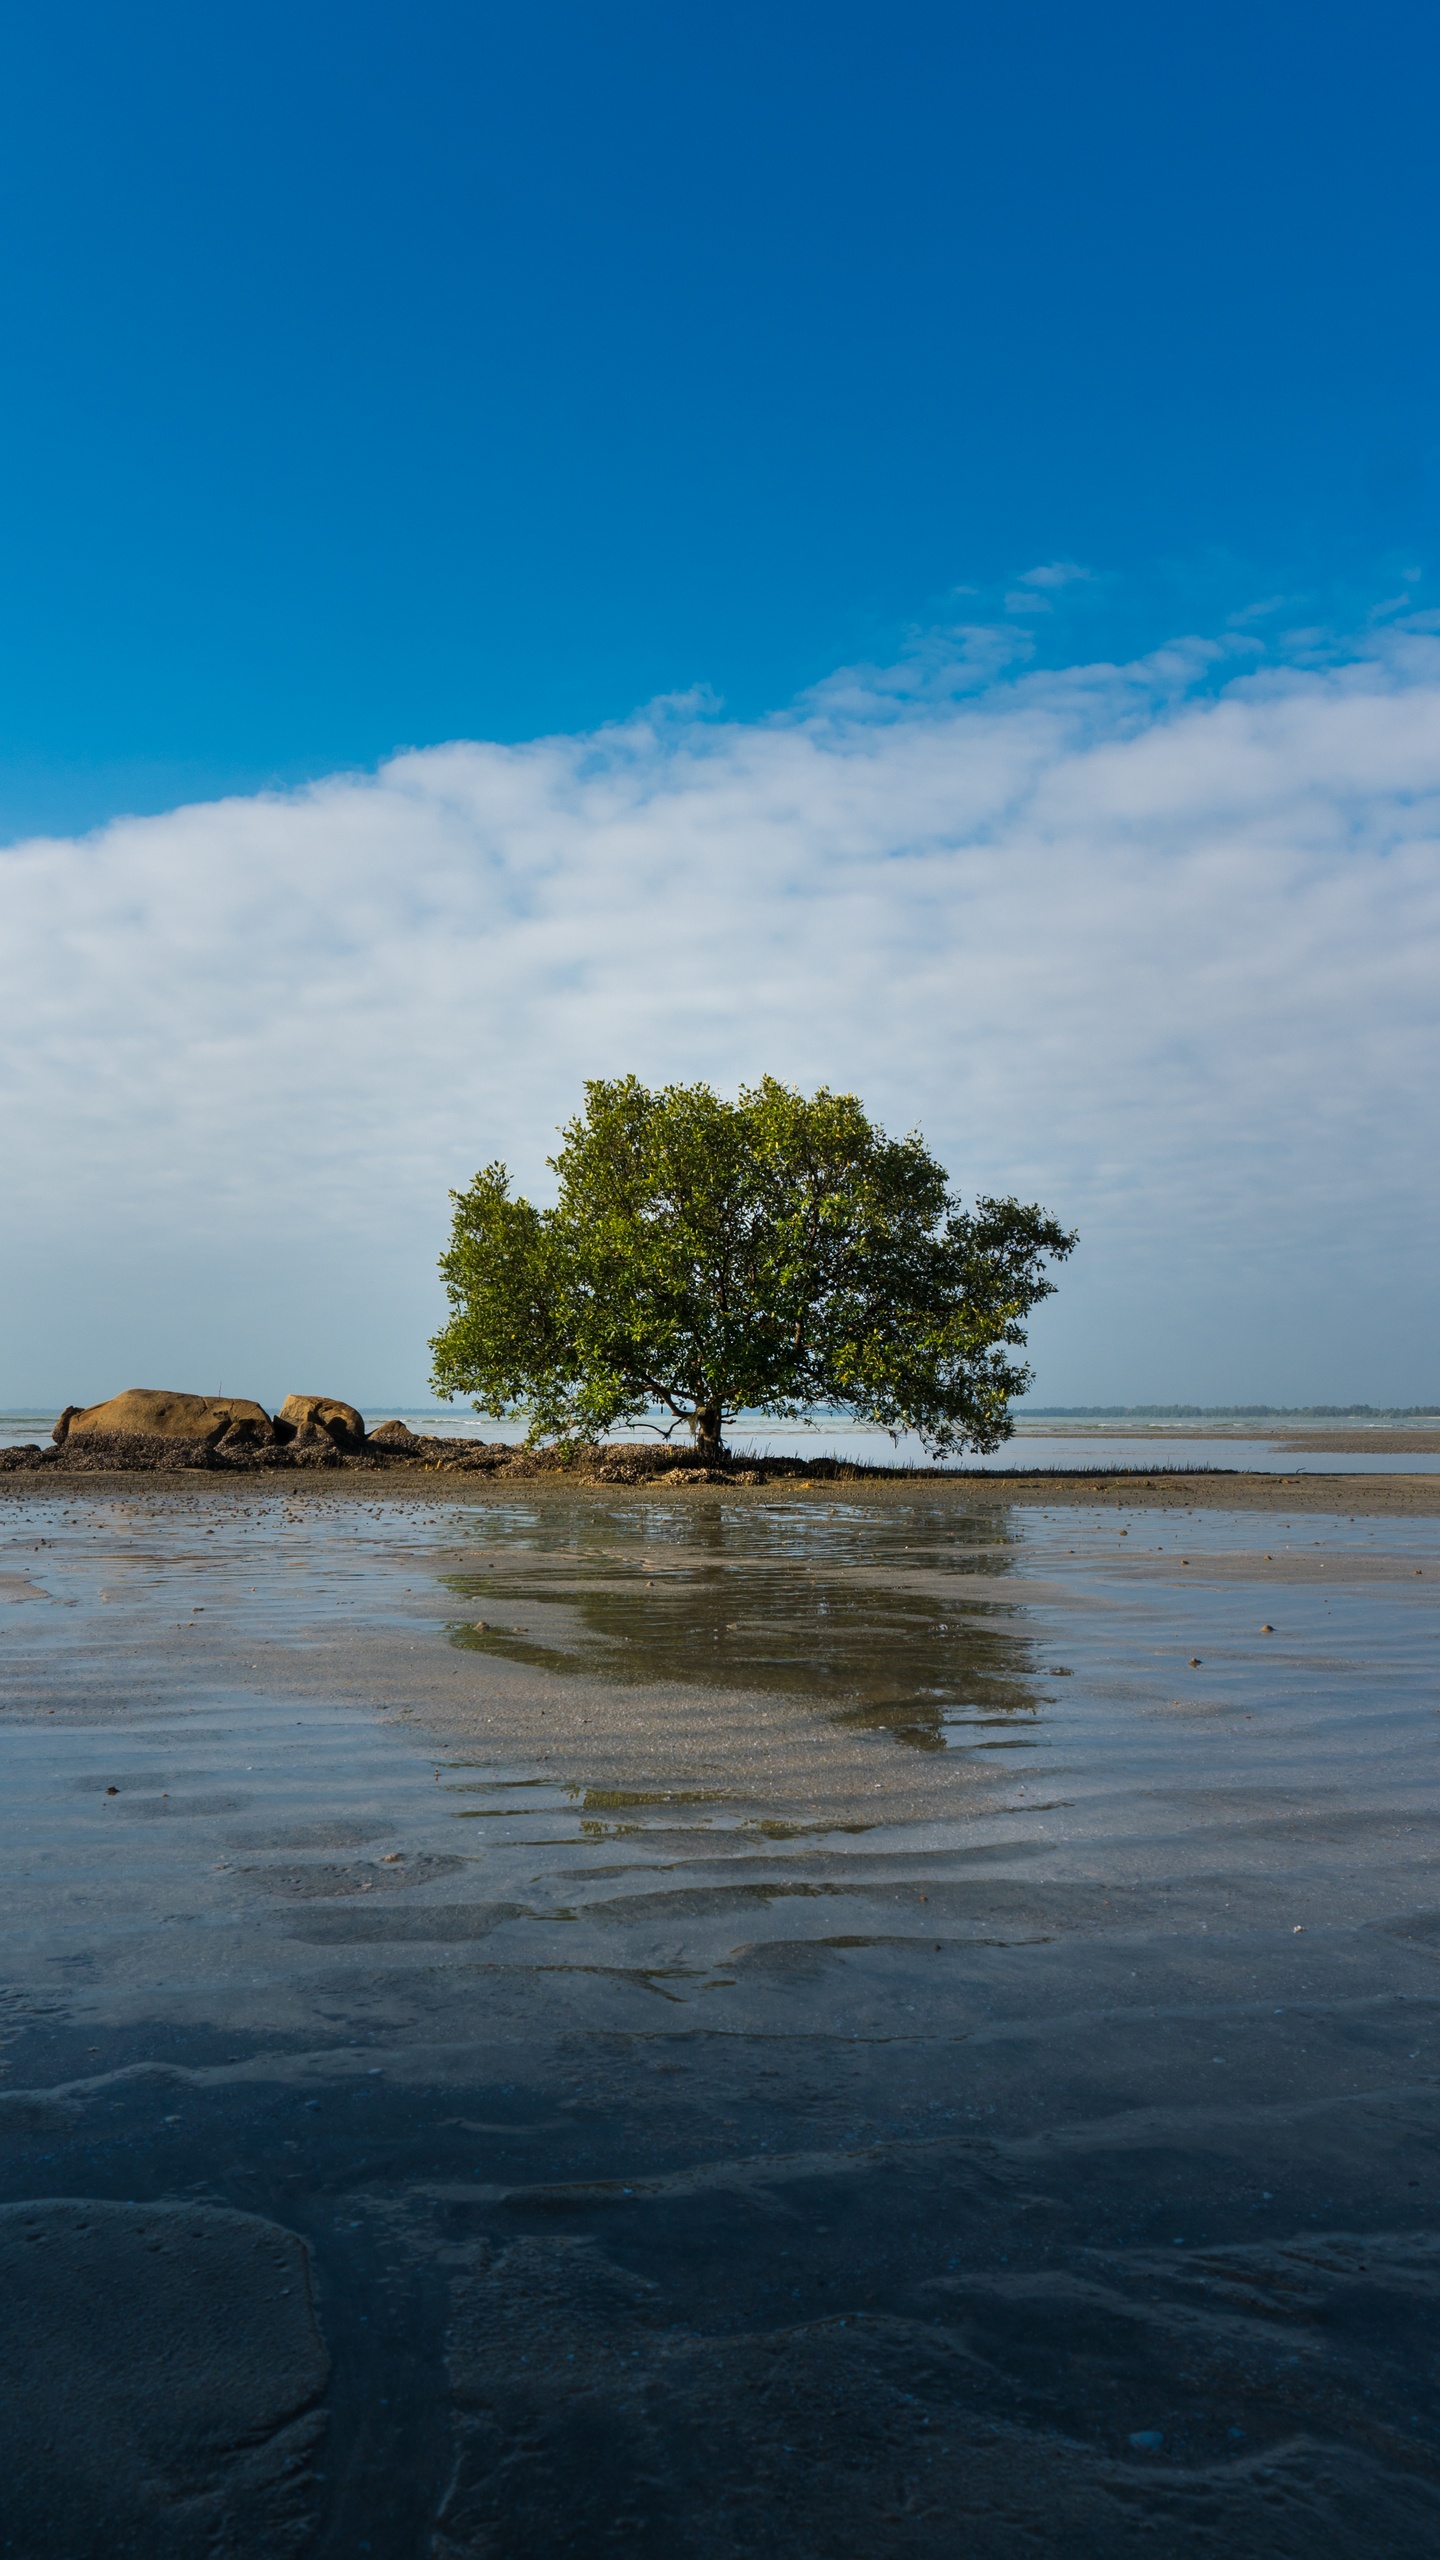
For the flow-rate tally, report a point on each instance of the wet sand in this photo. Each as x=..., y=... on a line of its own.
x=801, y=2019
x=1177, y=1488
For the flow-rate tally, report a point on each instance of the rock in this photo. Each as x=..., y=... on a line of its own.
x=311, y=1416
x=392, y=1435
x=247, y=1434
x=164, y=1413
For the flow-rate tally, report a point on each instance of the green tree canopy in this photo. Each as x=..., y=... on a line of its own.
x=773, y=1255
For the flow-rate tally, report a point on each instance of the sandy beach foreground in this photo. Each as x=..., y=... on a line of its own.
x=792, y=2018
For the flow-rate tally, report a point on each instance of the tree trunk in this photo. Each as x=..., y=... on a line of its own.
x=705, y=1423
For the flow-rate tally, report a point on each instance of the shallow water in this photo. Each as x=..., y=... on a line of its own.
x=810, y=2023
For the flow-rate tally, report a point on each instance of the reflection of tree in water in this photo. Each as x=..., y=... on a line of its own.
x=767, y=1601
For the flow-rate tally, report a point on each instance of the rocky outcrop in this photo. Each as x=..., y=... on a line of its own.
x=311, y=1417
x=164, y=1413
x=158, y=1430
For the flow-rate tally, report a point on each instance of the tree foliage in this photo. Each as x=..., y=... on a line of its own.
x=774, y=1255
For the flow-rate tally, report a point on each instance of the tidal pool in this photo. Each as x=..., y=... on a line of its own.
x=705, y=2026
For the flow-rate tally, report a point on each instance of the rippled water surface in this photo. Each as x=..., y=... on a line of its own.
x=717, y=2026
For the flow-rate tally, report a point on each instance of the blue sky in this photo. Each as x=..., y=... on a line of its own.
x=889, y=546
x=377, y=376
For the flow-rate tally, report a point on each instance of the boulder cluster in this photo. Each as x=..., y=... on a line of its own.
x=162, y=1427
x=162, y=1413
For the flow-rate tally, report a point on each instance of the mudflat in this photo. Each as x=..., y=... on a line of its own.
x=805, y=2018
x=1171, y=1489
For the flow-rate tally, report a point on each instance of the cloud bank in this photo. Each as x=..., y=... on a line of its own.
x=1158, y=945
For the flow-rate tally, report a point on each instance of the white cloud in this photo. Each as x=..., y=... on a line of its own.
x=1055, y=573
x=1155, y=946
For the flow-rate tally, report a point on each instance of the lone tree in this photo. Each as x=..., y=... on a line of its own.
x=770, y=1255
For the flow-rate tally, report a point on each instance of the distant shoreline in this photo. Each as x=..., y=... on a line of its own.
x=1229, y=1413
